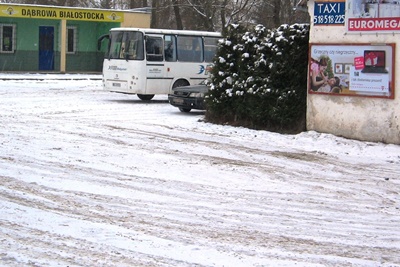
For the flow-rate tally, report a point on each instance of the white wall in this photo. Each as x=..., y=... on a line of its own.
x=355, y=117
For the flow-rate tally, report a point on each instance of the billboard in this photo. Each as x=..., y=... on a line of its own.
x=352, y=69
x=373, y=15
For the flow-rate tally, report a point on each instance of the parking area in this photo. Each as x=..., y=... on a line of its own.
x=93, y=178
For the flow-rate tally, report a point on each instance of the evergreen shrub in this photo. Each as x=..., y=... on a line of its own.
x=259, y=78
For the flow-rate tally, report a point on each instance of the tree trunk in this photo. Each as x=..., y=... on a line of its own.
x=223, y=15
x=178, y=18
x=276, y=15
x=154, y=14
x=132, y=4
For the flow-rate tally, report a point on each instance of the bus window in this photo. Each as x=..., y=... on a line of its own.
x=154, y=48
x=170, y=48
x=210, y=48
x=115, y=45
x=190, y=49
x=134, y=46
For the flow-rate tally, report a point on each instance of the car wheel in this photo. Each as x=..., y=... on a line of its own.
x=184, y=109
x=180, y=83
x=145, y=97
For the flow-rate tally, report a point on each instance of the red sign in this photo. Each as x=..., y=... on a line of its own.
x=374, y=24
x=359, y=63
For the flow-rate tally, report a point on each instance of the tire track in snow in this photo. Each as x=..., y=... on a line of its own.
x=227, y=215
x=332, y=204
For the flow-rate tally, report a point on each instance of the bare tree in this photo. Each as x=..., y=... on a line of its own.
x=218, y=14
x=276, y=18
x=241, y=11
x=210, y=15
x=273, y=13
x=154, y=14
x=167, y=14
x=137, y=4
x=107, y=4
x=178, y=17
x=204, y=13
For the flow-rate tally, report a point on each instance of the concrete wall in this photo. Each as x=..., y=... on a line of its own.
x=137, y=20
x=355, y=117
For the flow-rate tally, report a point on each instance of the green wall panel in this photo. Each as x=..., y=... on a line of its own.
x=20, y=61
x=89, y=32
x=26, y=56
x=85, y=62
x=27, y=32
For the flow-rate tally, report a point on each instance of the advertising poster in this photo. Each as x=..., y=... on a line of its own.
x=373, y=15
x=358, y=70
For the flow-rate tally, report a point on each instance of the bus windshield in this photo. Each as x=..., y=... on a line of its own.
x=126, y=45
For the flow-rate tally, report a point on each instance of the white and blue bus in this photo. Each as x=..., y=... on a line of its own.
x=147, y=62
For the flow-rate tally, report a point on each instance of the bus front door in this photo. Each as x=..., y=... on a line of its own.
x=155, y=66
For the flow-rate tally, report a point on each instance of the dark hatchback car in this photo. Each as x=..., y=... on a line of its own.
x=189, y=97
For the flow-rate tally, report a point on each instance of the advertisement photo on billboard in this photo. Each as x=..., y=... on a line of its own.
x=352, y=70
x=373, y=15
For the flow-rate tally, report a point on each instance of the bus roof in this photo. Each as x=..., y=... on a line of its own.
x=166, y=31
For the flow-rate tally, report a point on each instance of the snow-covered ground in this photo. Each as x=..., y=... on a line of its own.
x=93, y=178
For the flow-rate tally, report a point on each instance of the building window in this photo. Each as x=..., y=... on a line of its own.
x=71, y=40
x=7, y=38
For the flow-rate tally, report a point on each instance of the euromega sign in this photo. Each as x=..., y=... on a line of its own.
x=36, y=12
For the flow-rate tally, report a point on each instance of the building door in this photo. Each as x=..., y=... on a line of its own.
x=46, y=48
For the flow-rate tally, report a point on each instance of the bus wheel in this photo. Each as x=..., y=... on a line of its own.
x=184, y=109
x=145, y=97
x=180, y=83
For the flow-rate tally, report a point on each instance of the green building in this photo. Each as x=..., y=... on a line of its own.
x=58, y=39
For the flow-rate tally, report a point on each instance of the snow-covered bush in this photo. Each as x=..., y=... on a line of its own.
x=259, y=79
